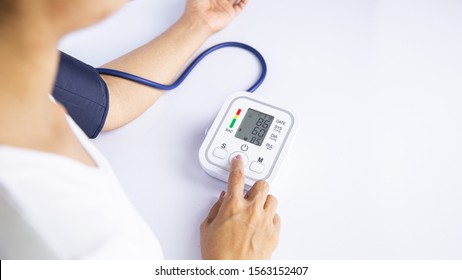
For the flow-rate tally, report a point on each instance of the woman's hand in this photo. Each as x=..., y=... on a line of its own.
x=239, y=227
x=215, y=14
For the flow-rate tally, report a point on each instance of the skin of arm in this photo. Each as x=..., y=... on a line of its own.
x=162, y=58
x=238, y=226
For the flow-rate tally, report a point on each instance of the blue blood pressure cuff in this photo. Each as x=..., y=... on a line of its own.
x=83, y=92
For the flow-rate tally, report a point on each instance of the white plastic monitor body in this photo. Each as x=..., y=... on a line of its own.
x=248, y=125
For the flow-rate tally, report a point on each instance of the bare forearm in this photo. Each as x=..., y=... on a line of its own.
x=160, y=60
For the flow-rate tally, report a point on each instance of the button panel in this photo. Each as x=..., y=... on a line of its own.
x=260, y=154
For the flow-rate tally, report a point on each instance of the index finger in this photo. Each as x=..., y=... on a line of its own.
x=236, y=177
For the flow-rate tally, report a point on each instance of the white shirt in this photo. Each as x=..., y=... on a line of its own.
x=52, y=206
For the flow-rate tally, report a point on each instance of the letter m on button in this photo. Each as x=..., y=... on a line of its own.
x=260, y=159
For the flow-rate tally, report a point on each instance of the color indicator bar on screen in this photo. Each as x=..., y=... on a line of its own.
x=235, y=118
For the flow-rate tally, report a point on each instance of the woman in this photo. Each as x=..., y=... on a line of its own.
x=58, y=196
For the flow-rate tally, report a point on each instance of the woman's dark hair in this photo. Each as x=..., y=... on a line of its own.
x=6, y=8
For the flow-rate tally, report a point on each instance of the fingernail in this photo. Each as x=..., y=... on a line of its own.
x=222, y=194
x=239, y=157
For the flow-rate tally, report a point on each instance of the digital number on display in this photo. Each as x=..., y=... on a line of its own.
x=254, y=127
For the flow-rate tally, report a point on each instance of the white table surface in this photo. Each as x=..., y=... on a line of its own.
x=376, y=169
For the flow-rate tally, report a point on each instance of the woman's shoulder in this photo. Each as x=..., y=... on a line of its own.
x=58, y=135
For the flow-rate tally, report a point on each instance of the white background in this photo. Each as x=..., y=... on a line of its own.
x=375, y=171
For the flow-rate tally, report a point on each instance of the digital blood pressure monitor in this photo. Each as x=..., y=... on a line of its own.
x=253, y=128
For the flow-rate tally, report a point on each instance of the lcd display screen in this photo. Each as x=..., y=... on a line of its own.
x=254, y=127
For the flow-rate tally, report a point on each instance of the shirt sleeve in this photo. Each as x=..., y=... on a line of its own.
x=84, y=94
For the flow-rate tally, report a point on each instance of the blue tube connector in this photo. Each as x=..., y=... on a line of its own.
x=187, y=71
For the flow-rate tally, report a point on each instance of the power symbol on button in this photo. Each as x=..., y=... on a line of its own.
x=244, y=147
